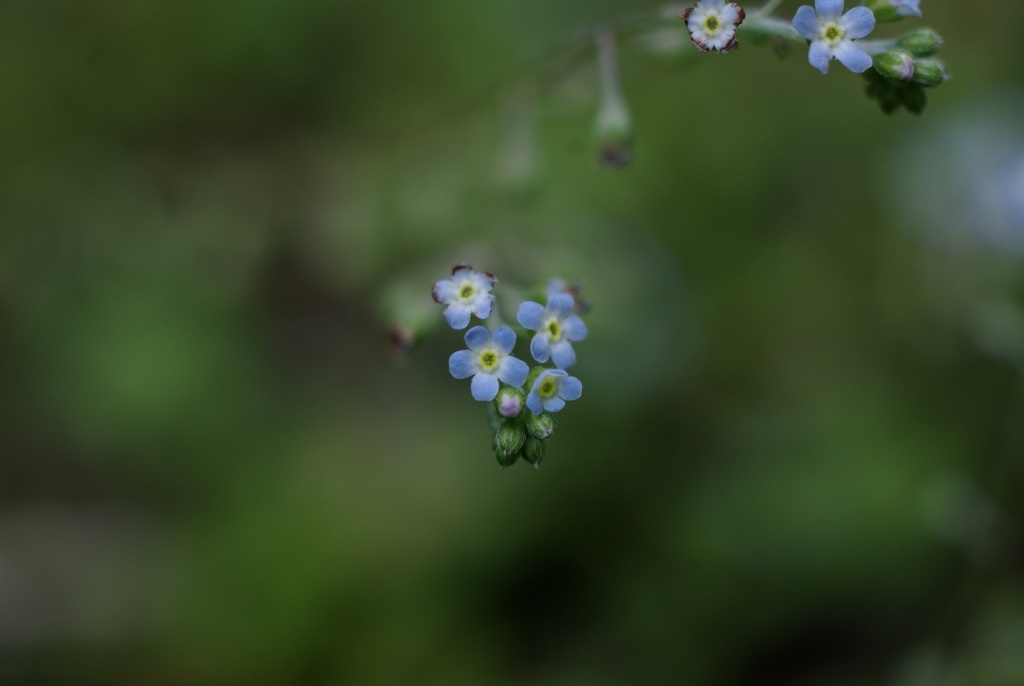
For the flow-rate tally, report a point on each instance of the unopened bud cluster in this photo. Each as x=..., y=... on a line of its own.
x=522, y=401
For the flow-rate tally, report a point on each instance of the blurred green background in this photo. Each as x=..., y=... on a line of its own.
x=797, y=459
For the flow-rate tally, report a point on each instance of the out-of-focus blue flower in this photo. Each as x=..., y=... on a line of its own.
x=551, y=389
x=556, y=329
x=468, y=292
x=893, y=10
x=832, y=33
x=488, y=361
x=907, y=8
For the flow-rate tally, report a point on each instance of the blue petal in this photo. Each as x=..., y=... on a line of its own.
x=829, y=10
x=463, y=364
x=857, y=23
x=513, y=371
x=533, y=403
x=457, y=316
x=806, y=23
x=819, y=56
x=574, y=329
x=560, y=303
x=484, y=386
x=570, y=388
x=478, y=337
x=530, y=315
x=554, y=404
x=540, y=347
x=563, y=355
x=852, y=57
x=504, y=339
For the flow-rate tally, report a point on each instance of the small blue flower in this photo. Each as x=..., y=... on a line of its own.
x=468, y=292
x=832, y=33
x=488, y=361
x=556, y=329
x=551, y=389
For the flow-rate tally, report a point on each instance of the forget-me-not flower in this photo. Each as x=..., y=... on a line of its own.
x=551, y=389
x=488, y=361
x=712, y=24
x=832, y=33
x=468, y=292
x=556, y=326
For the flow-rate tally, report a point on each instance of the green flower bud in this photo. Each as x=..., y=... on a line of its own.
x=922, y=42
x=506, y=460
x=930, y=72
x=533, y=451
x=540, y=425
x=509, y=402
x=895, y=64
x=509, y=438
x=891, y=95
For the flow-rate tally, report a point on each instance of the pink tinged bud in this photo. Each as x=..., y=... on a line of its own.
x=895, y=65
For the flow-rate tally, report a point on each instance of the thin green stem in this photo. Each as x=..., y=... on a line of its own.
x=767, y=8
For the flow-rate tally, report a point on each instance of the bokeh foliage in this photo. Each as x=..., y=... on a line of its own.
x=798, y=454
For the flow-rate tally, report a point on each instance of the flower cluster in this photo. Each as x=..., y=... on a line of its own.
x=522, y=400
x=897, y=70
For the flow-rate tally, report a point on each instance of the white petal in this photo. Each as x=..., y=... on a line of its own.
x=445, y=291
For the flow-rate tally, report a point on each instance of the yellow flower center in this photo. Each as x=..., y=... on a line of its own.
x=547, y=389
x=488, y=360
x=554, y=328
x=467, y=292
x=711, y=23
x=832, y=33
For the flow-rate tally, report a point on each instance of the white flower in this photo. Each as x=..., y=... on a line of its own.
x=832, y=33
x=712, y=24
x=468, y=292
